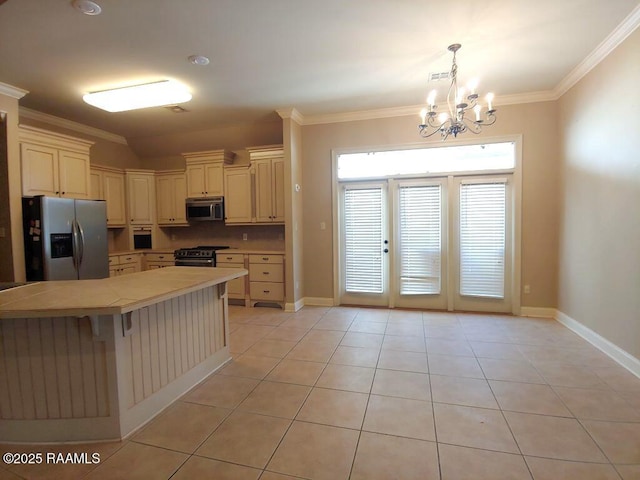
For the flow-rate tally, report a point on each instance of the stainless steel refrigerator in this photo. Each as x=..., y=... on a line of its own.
x=65, y=239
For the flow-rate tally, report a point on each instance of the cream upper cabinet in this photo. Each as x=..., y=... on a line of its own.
x=108, y=184
x=54, y=164
x=141, y=196
x=268, y=163
x=171, y=193
x=238, y=199
x=95, y=180
x=204, y=172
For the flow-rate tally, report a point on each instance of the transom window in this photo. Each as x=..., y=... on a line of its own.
x=417, y=161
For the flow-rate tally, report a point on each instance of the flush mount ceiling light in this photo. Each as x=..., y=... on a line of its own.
x=87, y=7
x=157, y=94
x=454, y=121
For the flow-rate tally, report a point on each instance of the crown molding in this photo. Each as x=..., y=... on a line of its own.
x=530, y=97
x=615, y=38
x=71, y=125
x=291, y=113
x=11, y=91
x=361, y=115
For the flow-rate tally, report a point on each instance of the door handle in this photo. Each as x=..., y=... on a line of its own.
x=386, y=250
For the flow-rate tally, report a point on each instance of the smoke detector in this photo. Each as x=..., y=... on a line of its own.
x=198, y=60
x=87, y=7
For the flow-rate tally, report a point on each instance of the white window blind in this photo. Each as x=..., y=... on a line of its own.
x=482, y=239
x=363, y=235
x=420, y=242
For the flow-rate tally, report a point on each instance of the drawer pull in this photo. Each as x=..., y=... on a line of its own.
x=161, y=257
x=229, y=258
x=265, y=273
x=265, y=258
x=266, y=291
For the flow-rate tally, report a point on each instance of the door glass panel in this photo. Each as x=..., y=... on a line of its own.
x=482, y=239
x=420, y=239
x=363, y=237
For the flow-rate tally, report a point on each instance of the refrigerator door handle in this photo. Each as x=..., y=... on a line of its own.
x=80, y=244
x=75, y=244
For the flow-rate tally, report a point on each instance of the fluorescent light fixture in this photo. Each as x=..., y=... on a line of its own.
x=157, y=94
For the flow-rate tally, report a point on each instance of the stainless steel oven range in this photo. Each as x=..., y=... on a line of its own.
x=204, y=256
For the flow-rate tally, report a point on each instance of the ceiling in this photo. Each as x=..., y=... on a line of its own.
x=321, y=58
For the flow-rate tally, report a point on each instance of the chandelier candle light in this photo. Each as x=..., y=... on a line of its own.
x=454, y=121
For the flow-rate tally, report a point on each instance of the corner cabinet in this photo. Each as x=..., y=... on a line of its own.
x=171, y=193
x=108, y=185
x=141, y=196
x=205, y=172
x=54, y=164
x=268, y=164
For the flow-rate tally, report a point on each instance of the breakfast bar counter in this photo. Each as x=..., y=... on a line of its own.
x=85, y=360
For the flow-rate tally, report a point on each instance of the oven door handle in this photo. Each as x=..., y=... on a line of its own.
x=194, y=263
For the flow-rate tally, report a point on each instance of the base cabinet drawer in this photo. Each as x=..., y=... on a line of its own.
x=266, y=273
x=266, y=259
x=267, y=291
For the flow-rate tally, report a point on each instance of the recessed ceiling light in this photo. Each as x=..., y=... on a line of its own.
x=157, y=94
x=199, y=60
x=87, y=7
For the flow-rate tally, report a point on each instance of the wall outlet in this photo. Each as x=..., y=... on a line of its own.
x=323, y=226
x=245, y=236
x=527, y=289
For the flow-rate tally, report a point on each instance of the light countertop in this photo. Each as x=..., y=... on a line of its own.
x=109, y=296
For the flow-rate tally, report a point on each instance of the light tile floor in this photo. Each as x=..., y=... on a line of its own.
x=338, y=393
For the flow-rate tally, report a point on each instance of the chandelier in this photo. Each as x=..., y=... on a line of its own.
x=455, y=121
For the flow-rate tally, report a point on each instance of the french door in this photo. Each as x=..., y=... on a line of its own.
x=436, y=243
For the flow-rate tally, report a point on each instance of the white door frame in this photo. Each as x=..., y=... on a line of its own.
x=516, y=202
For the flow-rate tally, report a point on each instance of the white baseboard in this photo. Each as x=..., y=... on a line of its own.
x=617, y=354
x=294, y=307
x=542, y=312
x=319, y=301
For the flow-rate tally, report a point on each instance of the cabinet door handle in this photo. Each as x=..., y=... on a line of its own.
x=265, y=259
x=265, y=273
x=266, y=291
x=161, y=257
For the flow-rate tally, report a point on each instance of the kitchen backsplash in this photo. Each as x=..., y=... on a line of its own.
x=259, y=237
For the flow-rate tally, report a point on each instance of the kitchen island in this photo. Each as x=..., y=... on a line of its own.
x=85, y=360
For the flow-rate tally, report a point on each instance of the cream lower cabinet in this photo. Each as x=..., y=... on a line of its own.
x=238, y=195
x=53, y=164
x=236, y=288
x=124, y=264
x=108, y=185
x=171, y=193
x=158, y=260
x=266, y=279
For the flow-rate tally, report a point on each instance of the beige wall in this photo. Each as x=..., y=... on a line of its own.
x=537, y=125
x=230, y=137
x=599, y=283
x=11, y=246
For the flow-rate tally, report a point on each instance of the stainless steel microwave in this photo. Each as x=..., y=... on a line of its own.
x=205, y=209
